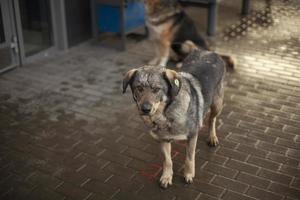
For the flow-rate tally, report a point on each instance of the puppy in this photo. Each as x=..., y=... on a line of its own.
x=174, y=105
x=173, y=32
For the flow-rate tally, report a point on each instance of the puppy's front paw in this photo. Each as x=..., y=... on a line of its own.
x=166, y=180
x=188, y=177
x=213, y=141
x=189, y=171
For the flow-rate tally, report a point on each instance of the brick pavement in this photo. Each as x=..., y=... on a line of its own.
x=66, y=132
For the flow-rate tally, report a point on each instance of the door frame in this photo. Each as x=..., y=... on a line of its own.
x=19, y=32
x=7, y=11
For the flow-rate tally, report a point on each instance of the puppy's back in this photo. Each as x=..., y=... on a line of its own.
x=209, y=69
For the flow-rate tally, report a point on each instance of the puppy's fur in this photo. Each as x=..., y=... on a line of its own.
x=171, y=30
x=174, y=104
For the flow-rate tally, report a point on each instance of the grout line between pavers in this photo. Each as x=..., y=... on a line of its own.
x=223, y=193
x=115, y=193
x=119, y=138
x=108, y=178
x=81, y=167
x=85, y=182
x=100, y=153
x=59, y=185
x=105, y=164
x=88, y=196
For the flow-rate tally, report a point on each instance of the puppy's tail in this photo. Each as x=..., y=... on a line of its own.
x=230, y=63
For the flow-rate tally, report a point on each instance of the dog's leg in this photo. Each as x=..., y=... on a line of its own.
x=155, y=60
x=189, y=168
x=213, y=139
x=216, y=109
x=164, y=53
x=167, y=174
x=165, y=47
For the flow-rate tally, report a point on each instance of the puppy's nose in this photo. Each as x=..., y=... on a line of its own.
x=146, y=107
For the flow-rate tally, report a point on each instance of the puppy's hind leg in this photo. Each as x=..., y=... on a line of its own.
x=213, y=139
x=216, y=109
x=189, y=168
x=167, y=174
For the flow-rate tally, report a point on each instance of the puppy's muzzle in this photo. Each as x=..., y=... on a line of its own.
x=146, y=108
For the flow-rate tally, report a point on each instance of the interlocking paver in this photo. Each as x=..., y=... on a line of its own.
x=253, y=180
x=275, y=176
x=263, y=194
x=221, y=170
x=67, y=132
x=230, y=184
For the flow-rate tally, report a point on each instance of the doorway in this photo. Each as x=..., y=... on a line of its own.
x=26, y=29
x=36, y=25
x=9, y=52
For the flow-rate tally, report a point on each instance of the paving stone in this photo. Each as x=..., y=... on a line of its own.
x=120, y=170
x=42, y=193
x=274, y=176
x=221, y=170
x=253, y=180
x=209, y=189
x=242, y=166
x=285, y=190
x=206, y=197
x=95, y=185
x=135, y=153
x=263, y=163
x=230, y=184
x=229, y=195
x=272, y=147
x=252, y=150
x=283, y=159
x=232, y=154
x=115, y=157
x=71, y=191
x=262, y=194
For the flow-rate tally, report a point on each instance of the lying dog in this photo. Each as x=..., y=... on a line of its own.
x=170, y=28
x=173, y=104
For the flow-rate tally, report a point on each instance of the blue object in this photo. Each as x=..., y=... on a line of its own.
x=109, y=17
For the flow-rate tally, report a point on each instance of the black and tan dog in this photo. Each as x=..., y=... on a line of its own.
x=174, y=105
x=173, y=32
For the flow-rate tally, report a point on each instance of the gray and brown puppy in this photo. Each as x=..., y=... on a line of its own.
x=174, y=104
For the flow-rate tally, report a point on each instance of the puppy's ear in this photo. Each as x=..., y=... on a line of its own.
x=173, y=80
x=128, y=78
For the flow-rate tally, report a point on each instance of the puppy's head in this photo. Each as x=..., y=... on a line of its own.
x=152, y=88
x=157, y=6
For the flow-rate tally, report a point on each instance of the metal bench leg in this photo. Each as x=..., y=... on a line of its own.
x=246, y=7
x=212, y=19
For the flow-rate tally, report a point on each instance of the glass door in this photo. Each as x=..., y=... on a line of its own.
x=36, y=25
x=8, y=41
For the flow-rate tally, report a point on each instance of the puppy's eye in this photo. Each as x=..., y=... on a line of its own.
x=140, y=88
x=156, y=90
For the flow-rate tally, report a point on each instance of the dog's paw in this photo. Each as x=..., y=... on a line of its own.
x=213, y=141
x=188, y=177
x=165, y=181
